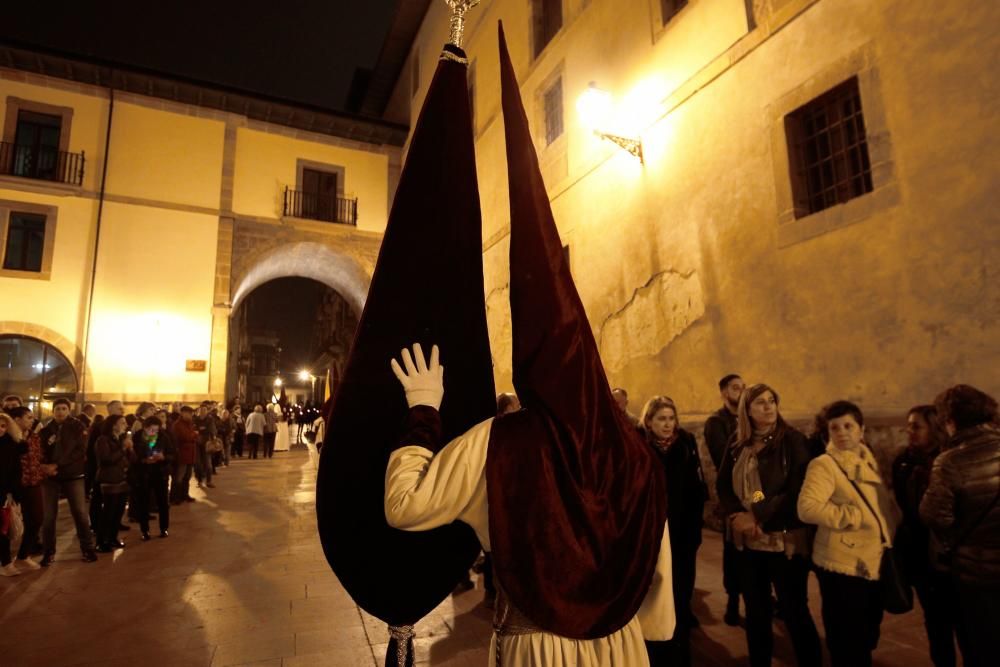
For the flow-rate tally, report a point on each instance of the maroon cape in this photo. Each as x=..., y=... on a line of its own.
x=577, y=500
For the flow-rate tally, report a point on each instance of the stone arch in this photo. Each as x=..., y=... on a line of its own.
x=306, y=259
x=66, y=347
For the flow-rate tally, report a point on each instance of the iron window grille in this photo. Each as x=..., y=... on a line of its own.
x=828, y=150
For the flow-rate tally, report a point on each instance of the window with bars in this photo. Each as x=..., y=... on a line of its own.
x=828, y=150
x=669, y=8
x=552, y=100
x=547, y=20
x=25, y=244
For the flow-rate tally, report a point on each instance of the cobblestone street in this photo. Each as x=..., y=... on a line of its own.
x=242, y=581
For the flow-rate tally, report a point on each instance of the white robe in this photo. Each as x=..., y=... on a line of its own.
x=424, y=491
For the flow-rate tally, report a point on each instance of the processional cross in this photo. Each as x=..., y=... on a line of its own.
x=458, y=10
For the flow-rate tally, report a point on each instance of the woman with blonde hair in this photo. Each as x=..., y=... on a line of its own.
x=759, y=484
x=843, y=494
x=677, y=450
x=10, y=485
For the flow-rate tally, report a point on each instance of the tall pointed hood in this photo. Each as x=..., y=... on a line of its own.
x=428, y=288
x=577, y=502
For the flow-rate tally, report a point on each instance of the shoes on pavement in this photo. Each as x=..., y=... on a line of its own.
x=90, y=556
x=104, y=548
x=145, y=537
x=27, y=564
x=9, y=570
x=47, y=560
x=732, y=616
x=164, y=534
x=117, y=544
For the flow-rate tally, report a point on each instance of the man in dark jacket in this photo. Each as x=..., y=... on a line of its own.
x=64, y=451
x=962, y=508
x=154, y=455
x=719, y=429
x=206, y=431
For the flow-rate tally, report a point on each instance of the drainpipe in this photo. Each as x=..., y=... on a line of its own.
x=97, y=240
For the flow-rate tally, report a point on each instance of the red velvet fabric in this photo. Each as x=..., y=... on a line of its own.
x=427, y=288
x=577, y=500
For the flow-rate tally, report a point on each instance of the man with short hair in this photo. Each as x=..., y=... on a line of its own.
x=621, y=400
x=87, y=414
x=719, y=429
x=11, y=401
x=64, y=450
x=115, y=408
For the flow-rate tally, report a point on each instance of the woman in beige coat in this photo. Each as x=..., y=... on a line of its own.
x=843, y=494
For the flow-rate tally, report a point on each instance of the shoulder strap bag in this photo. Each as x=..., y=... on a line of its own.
x=897, y=594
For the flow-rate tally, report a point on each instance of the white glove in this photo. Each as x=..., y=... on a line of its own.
x=423, y=383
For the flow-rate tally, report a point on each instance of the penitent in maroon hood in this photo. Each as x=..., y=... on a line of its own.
x=577, y=505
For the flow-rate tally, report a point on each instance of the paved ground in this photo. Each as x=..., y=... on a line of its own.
x=242, y=581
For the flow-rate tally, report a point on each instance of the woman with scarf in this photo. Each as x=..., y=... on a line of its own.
x=843, y=494
x=758, y=486
x=677, y=450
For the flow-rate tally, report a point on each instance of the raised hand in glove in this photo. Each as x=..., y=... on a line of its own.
x=422, y=382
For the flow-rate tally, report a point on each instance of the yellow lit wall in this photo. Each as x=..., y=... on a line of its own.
x=165, y=156
x=152, y=305
x=684, y=264
x=266, y=164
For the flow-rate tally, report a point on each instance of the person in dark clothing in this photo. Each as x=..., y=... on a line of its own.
x=114, y=451
x=759, y=484
x=93, y=490
x=31, y=480
x=154, y=455
x=719, y=430
x=911, y=472
x=686, y=495
x=64, y=451
x=186, y=440
x=10, y=484
x=203, y=468
x=962, y=509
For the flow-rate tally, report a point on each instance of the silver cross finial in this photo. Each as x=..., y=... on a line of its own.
x=458, y=10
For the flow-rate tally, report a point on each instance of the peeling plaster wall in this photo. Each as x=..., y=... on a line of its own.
x=690, y=266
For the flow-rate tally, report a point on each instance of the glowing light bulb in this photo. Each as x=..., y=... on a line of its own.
x=594, y=107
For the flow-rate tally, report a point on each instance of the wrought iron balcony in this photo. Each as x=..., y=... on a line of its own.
x=46, y=164
x=311, y=206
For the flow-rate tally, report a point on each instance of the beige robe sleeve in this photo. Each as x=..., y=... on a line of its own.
x=657, y=616
x=424, y=491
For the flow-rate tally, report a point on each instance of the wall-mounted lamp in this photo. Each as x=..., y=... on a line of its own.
x=277, y=382
x=594, y=107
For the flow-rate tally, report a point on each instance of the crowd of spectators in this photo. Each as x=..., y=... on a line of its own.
x=793, y=504
x=114, y=469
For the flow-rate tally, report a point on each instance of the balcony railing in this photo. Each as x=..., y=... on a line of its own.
x=46, y=164
x=299, y=204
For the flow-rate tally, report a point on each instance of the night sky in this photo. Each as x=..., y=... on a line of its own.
x=305, y=51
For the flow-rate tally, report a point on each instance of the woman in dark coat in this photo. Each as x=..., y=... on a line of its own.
x=113, y=450
x=911, y=473
x=677, y=450
x=759, y=484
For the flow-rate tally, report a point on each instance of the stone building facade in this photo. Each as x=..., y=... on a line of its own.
x=137, y=210
x=716, y=253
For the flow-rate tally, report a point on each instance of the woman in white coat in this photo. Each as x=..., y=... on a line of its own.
x=843, y=494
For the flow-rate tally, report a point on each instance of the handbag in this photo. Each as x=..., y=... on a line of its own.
x=897, y=594
x=213, y=446
x=13, y=521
